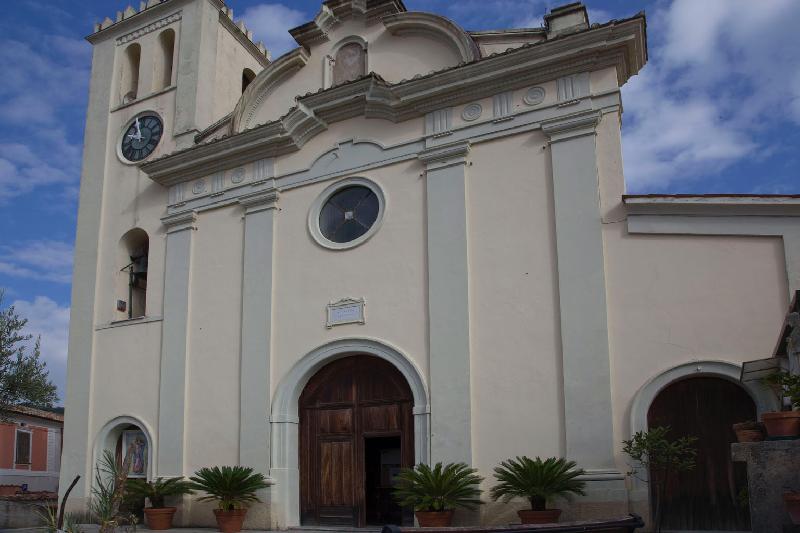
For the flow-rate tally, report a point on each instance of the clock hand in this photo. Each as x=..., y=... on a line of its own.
x=138, y=130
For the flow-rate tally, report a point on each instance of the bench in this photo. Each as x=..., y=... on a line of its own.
x=626, y=524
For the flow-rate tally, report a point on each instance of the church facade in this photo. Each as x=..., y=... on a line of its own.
x=400, y=242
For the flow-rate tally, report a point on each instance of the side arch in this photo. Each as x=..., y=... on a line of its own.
x=761, y=395
x=284, y=418
x=108, y=434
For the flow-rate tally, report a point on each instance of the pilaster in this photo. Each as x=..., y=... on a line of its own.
x=582, y=293
x=175, y=343
x=448, y=302
x=257, y=278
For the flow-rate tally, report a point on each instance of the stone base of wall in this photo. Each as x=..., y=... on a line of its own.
x=21, y=514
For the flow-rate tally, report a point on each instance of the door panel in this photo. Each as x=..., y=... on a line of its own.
x=344, y=403
x=335, y=489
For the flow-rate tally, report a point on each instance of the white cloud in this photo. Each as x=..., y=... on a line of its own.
x=721, y=73
x=50, y=321
x=271, y=24
x=41, y=89
x=43, y=260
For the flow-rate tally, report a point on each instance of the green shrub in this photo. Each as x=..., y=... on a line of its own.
x=441, y=488
x=232, y=487
x=537, y=481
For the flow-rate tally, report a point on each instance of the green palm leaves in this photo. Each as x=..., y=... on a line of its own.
x=159, y=489
x=440, y=488
x=537, y=480
x=232, y=486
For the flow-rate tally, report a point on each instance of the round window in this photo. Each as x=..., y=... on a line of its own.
x=346, y=214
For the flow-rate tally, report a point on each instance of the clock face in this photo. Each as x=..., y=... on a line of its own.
x=141, y=138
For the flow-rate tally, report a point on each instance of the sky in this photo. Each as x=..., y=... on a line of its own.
x=716, y=110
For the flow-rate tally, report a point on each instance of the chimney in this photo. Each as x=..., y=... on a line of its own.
x=569, y=18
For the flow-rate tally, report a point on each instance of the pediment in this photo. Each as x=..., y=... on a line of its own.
x=398, y=45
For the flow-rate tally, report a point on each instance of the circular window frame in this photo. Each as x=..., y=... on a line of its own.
x=140, y=114
x=322, y=199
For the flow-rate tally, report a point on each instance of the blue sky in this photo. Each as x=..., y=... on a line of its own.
x=717, y=109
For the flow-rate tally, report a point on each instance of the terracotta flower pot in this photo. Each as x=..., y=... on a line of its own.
x=792, y=502
x=548, y=516
x=434, y=518
x=230, y=521
x=782, y=423
x=159, y=518
x=749, y=432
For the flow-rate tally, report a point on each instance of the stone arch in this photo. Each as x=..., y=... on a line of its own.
x=764, y=399
x=111, y=432
x=131, y=274
x=284, y=419
x=247, y=78
x=163, y=64
x=129, y=73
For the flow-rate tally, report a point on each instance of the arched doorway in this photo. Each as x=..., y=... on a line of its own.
x=356, y=431
x=710, y=496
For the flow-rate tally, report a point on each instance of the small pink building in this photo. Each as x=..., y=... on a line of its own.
x=30, y=450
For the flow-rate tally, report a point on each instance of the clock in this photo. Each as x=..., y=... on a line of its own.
x=141, y=137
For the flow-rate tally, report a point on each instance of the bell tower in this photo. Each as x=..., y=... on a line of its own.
x=160, y=75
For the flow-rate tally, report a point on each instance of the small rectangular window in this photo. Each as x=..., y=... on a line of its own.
x=23, y=456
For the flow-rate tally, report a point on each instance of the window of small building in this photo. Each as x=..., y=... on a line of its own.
x=349, y=63
x=129, y=82
x=247, y=77
x=132, y=280
x=166, y=51
x=23, y=447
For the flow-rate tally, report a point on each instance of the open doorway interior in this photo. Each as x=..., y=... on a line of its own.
x=382, y=462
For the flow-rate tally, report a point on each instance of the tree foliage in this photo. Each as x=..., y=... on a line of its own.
x=663, y=457
x=24, y=378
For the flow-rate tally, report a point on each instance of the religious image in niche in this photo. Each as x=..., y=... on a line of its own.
x=137, y=440
x=350, y=63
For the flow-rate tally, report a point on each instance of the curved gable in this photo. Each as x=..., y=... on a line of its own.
x=437, y=27
x=398, y=45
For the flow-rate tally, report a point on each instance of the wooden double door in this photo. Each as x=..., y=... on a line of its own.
x=356, y=432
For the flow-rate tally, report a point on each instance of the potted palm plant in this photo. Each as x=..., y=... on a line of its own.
x=158, y=515
x=233, y=488
x=537, y=481
x=435, y=493
x=784, y=423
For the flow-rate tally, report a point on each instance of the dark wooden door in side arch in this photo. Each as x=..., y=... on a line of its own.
x=709, y=497
x=345, y=405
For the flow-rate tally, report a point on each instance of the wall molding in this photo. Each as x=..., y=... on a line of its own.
x=153, y=26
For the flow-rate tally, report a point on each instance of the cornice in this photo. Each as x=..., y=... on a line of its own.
x=153, y=26
x=180, y=221
x=571, y=126
x=260, y=201
x=445, y=155
x=373, y=97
